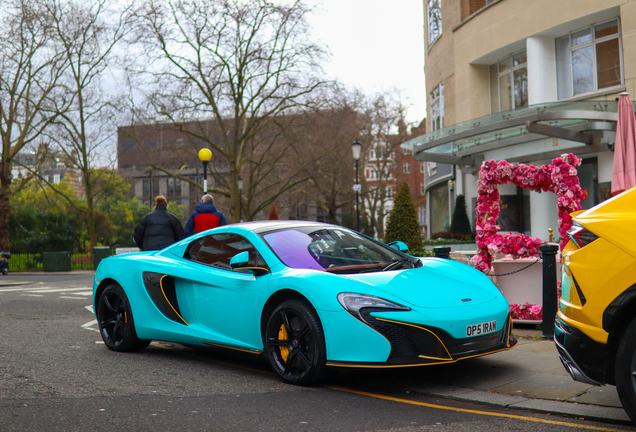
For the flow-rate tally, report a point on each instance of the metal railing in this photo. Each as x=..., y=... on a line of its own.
x=33, y=262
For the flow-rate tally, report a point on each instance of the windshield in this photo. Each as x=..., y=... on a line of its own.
x=337, y=250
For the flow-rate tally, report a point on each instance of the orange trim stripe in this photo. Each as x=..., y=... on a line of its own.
x=232, y=348
x=450, y=357
x=166, y=297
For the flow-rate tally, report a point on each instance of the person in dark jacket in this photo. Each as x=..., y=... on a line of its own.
x=204, y=217
x=159, y=228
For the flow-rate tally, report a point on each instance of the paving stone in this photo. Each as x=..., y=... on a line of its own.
x=605, y=395
x=578, y=410
x=489, y=398
x=544, y=386
x=538, y=346
x=558, y=371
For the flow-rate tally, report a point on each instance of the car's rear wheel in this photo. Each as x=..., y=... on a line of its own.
x=115, y=320
x=295, y=343
x=625, y=370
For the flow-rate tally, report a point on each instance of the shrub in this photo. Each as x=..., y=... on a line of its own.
x=273, y=214
x=459, y=222
x=403, y=224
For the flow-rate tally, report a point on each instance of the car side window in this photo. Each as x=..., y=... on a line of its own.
x=217, y=250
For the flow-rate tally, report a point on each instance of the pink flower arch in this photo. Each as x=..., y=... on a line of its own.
x=560, y=178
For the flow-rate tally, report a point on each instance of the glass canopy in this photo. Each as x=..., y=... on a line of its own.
x=569, y=120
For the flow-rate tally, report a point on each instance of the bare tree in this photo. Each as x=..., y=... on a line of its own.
x=86, y=33
x=328, y=134
x=380, y=139
x=242, y=64
x=30, y=68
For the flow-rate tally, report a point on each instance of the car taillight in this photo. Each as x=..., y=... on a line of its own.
x=581, y=236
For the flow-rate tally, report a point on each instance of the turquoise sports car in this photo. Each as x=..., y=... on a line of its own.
x=306, y=295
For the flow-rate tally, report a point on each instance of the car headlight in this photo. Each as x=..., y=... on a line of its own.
x=353, y=302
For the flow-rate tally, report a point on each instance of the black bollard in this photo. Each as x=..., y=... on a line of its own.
x=550, y=300
x=442, y=252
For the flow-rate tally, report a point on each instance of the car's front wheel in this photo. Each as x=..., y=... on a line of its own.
x=625, y=370
x=115, y=320
x=295, y=343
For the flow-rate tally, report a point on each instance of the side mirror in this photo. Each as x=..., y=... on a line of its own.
x=398, y=245
x=240, y=262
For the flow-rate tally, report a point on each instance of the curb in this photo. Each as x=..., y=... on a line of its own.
x=569, y=409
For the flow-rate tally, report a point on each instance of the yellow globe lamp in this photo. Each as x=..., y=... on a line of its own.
x=204, y=156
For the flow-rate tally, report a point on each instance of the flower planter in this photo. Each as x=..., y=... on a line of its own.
x=525, y=286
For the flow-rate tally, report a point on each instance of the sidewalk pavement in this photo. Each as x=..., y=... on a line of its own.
x=530, y=376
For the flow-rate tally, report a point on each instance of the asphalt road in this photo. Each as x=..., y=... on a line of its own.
x=57, y=375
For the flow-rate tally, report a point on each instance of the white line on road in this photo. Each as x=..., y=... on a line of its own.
x=72, y=298
x=52, y=290
x=47, y=289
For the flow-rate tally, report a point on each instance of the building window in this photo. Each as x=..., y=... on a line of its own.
x=431, y=168
x=422, y=167
x=372, y=174
x=174, y=187
x=406, y=152
x=434, y=14
x=147, y=192
x=389, y=191
x=372, y=155
x=422, y=188
x=406, y=168
x=422, y=212
x=509, y=83
x=589, y=59
x=437, y=107
x=56, y=178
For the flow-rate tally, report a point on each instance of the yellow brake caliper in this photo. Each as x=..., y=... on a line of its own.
x=282, y=336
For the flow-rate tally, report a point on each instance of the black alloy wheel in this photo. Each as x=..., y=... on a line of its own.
x=295, y=343
x=625, y=371
x=115, y=320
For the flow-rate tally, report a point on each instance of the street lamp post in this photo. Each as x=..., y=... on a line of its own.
x=356, y=148
x=240, y=185
x=204, y=156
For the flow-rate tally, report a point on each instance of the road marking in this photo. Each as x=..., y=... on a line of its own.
x=52, y=289
x=33, y=295
x=512, y=416
x=89, y=324
x=47, y=289
x=72, y=298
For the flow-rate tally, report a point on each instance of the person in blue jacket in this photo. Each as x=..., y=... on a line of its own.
x=204, y=217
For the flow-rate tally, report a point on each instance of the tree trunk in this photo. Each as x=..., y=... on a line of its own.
x=5, y=194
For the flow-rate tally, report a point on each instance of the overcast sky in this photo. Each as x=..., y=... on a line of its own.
x=376, y=45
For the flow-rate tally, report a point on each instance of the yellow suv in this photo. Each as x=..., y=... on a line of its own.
x=595, y=329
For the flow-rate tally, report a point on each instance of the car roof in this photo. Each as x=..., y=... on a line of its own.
x=270, y=225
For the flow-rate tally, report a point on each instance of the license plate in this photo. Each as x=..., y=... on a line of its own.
x=480, y=329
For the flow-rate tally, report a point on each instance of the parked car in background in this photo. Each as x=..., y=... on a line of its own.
x=306, y=295
x=596, y=323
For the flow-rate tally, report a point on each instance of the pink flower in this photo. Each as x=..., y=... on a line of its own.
x=560, y=177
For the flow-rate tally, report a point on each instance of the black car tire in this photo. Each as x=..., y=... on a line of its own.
x=115, y=320
x=295, y=343
x=625, y=371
